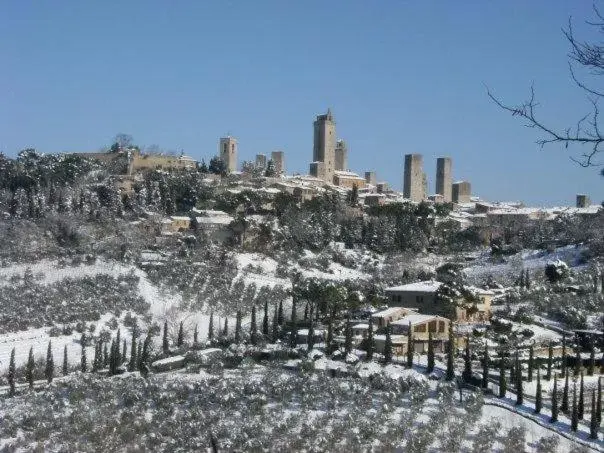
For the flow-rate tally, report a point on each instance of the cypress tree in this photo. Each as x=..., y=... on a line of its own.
x=11, y=373
x=527, y=280
x=550, y=359
x=211, y=327
x=593, y=421
x=311, y=332
x=430, y=366
x=370, y=340
x=253, y=328
x=118, y=342
x=519, y=391
x=577, y=362
x=563, y=366
x=329, y=342
x=521, y=282
x=65, y=363
x=112, y=358
x=517, y=369
x=275, y=326
x=348, y=337
x=467, y=359
x=388, y=346
x=83, y=360
x=238, y=327
x=96, y=361
x=139, y=355
x=554, y=417
x=265, y=320
x=564, y=405
x=49, y=370
x=280, y=313
x=485, y=367
x=293, y=314
x=531, y=364
x=574, y=419
x=181, y=335
x=29, y=368
x=195, y=336
x=599, y=402
x=503, y=387
x=105, y=356
x=581, y=403
x=145, y=352
x=512, y=372
x=538, y=395
x=165, y=343
x=592, y=360
x=306, y=312
x=225, y=330
x=124, y=352
x=410, y=346
x=293, y=337
x=132, y=363
x=450, y=374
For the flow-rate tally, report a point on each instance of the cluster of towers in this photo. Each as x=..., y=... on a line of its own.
x=228, y=155
x=415, y=183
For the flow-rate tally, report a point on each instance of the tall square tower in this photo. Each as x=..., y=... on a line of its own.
x=413, y=184
x=341, y=156
x=324, y=144
x=443, y=178
x=278, y=158
x=228, y=153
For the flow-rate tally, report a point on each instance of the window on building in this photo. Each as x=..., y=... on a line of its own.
x=441, y=326
x=432, y=326
x=225, y=148
x=420, y=328
x=233, y=147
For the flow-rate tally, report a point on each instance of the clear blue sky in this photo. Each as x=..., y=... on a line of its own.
x=401, y=77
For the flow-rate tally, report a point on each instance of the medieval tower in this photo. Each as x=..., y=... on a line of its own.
x=228, y=153
x=413, y=184
x=324, y=147
x=444, y=183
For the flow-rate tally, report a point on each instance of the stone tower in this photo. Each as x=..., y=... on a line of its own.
x=583, y=201
x=341, y=156
x=228, y=153
x=413, y=185
x=461, y=192
x=278, y=158
x=324, y=147
x=261, y=161
x=444, y=183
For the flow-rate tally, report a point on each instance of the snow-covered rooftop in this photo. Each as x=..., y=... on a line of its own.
x=387, y=312
x=427, y=286
x=414, y=319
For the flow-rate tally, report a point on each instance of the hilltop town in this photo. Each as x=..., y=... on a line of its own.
x=309, y=304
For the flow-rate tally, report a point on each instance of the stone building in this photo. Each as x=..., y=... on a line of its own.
x=228, y=153
x=324, y=147
x=370, y=178
x=444, y=184
x=414, y=182
x=583, y=201
x=348, y=179
x=278, y=158
x=461, y=192
x=261, y=161
x=341, y=156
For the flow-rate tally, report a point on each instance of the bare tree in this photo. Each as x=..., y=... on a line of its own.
x=586, y=132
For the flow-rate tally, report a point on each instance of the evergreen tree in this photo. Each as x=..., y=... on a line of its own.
x=113, y=358
x=293, y=337
x=83, y=360
x=574, y=418
x=139, y=354
x=410, y=346
x=211, y=327
x=275, y=326
x=370, y=340
x=388, y=346
x=329, y=341
x=253, y=328
x=11, y=373
x=118, y=342
x=265, y=320
x=105, y=356
x=485, y=367
x=581, y=403
x=238, y=327
x=195, y=336
x=165, y=343
x=280, y=319
x=531, y=363
x=554, y=417
x=306, y=312
x=348, y=337
x=564, y=405
x=538, y=395
x=467, y=359
x=450, y=374
x=311, y=332
x=592, y=360
x=65, y=363
x=519, y=391
x=577, y=362
x=430, y=365
x=599, y=402
x=593, y=422
x=563, y=366
x=203, y=167
x=502, y=383
x=133, y=358
x=521, y=279
x=145, y=353
x=124, y=352
x=527, y=280
x=513, y=372
x=225, y=330
x=30, y=368
x=49, y=370
x=96, y=361
x=293, y=314
x=181, y=335
x=517, y=369
x=550, y=359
